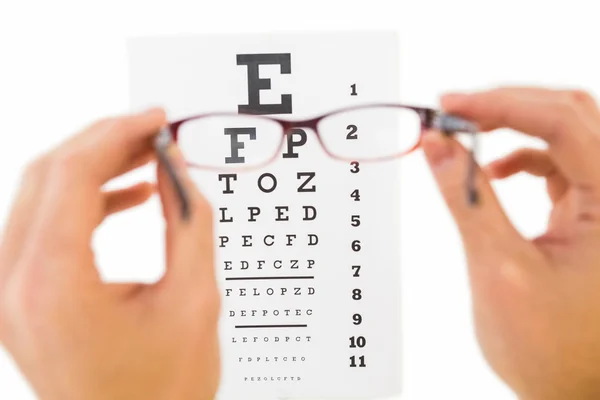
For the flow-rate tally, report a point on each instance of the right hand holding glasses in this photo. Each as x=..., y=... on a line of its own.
x=536, y=302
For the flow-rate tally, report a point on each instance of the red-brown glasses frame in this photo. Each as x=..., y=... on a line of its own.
x=426, y=116
x=429, y=118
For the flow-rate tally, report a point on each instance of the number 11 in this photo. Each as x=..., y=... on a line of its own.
x=353, y=361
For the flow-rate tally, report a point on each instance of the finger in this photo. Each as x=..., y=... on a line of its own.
x=79, y=168
x=140, y=154
x=22, y=215
x=189, y=242
x=485, y=228
x=111, y=146
x=532, y=161
x=123, y=199
x=145, y=156
x=542, y=93
x=564, y=122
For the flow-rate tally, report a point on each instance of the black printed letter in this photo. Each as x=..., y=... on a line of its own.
x=256, y=84
x=291, y=143
x=310, y=176
x=227, y=178
x=307, y=217
x=236, y=144
x=260, y=180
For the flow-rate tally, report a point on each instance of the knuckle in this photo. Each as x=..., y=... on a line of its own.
x=581, y=97
x=566, y=118
x=500, y=111
x=23, y=301
x=36, y=168
x=66, y=161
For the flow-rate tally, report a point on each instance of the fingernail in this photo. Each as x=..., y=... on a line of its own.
x=437, y=148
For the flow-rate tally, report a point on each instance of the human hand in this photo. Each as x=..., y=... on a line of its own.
x=75, y=337
x=536, y=302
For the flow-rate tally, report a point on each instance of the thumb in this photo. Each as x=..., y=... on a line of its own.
x=484, y=227
x=189, y=241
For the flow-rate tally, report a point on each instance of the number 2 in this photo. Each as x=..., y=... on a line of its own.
x=353, y=132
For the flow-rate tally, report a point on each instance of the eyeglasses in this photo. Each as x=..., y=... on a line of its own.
x=224, y=141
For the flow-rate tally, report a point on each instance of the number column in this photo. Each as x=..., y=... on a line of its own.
x=356, y=341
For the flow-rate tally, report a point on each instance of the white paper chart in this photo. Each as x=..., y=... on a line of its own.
x=307, y=246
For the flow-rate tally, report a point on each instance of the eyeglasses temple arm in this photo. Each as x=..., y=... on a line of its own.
x=450, y=124
x=472, y=191
x=162, y=142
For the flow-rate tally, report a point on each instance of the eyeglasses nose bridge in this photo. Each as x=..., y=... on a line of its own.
x=289, y=126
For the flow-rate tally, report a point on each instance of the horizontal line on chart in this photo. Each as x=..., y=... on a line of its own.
x=269, y=326
x=259, y=278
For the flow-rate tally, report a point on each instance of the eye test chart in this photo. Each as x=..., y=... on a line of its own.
x=307, y=245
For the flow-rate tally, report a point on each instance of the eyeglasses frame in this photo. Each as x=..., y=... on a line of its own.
x=430, y=118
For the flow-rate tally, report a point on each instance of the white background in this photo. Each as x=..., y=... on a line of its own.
x=63, y=64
